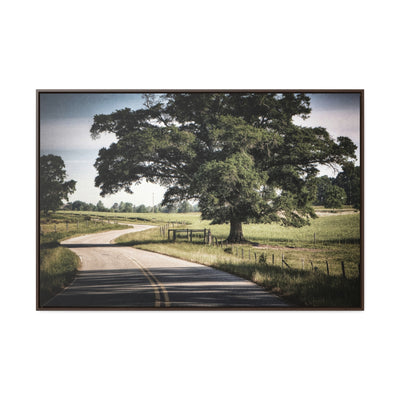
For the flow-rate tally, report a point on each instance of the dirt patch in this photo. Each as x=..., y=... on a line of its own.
x=329, y=214
x=266, y=246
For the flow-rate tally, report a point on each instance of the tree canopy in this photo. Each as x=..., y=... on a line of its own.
x=328, y=193
x=238, y=154
x=335, y=197
x=53, y=187
x=350, y=180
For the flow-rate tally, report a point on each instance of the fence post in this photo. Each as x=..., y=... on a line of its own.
x=242, y=253
x=174, y=235
x=314, y=237
x=327, y=267
x=273, y=259
x=283, y=257
x=343, y=272
x=55, y=228
x=187, y=234
x=66, y=226
x=168, y=235
x=312, y=265
x=191, y=236
x=205, y=233
x=255, y=257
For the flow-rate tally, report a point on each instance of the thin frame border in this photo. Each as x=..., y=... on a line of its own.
x=78, y=91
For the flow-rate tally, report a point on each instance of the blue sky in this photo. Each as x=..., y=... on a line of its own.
x=66, y=118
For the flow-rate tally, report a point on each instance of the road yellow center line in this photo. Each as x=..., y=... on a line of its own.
x=155, y=283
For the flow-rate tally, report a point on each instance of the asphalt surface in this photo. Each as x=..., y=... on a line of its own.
x=114, y=276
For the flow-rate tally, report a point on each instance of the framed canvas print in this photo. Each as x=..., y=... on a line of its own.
x=200, y=200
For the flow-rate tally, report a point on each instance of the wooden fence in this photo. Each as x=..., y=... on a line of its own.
x=188, y=234
x=271, y=259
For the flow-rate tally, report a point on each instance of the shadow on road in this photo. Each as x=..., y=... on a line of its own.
x=189, y=286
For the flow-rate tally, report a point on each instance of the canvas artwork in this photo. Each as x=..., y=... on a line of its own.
x=200, y=200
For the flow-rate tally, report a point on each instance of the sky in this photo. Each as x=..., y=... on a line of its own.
x=66, y=118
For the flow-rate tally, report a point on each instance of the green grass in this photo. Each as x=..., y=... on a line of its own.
x=144, y=218
x=58, y=265
x=337, y=229
x=337, y=240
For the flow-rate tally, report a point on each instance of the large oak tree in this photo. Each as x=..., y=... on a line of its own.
x=239, y=154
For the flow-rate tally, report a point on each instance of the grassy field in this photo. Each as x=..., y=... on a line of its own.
x=327, y=229
x=145, y=218
x=337, y=239
x=58, y=265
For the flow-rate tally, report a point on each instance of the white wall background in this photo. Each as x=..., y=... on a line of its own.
x=210, y=44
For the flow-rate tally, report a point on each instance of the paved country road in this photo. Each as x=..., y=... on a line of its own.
x=119, y=276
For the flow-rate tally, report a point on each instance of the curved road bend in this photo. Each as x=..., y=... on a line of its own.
x=120, y=276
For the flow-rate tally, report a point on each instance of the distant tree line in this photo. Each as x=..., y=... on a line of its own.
x=344, y=189
x=126, y=207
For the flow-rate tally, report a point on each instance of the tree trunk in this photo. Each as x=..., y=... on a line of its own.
x=236, y=232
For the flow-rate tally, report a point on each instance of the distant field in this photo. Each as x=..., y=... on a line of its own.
x=340, y=229
x=150, y=218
